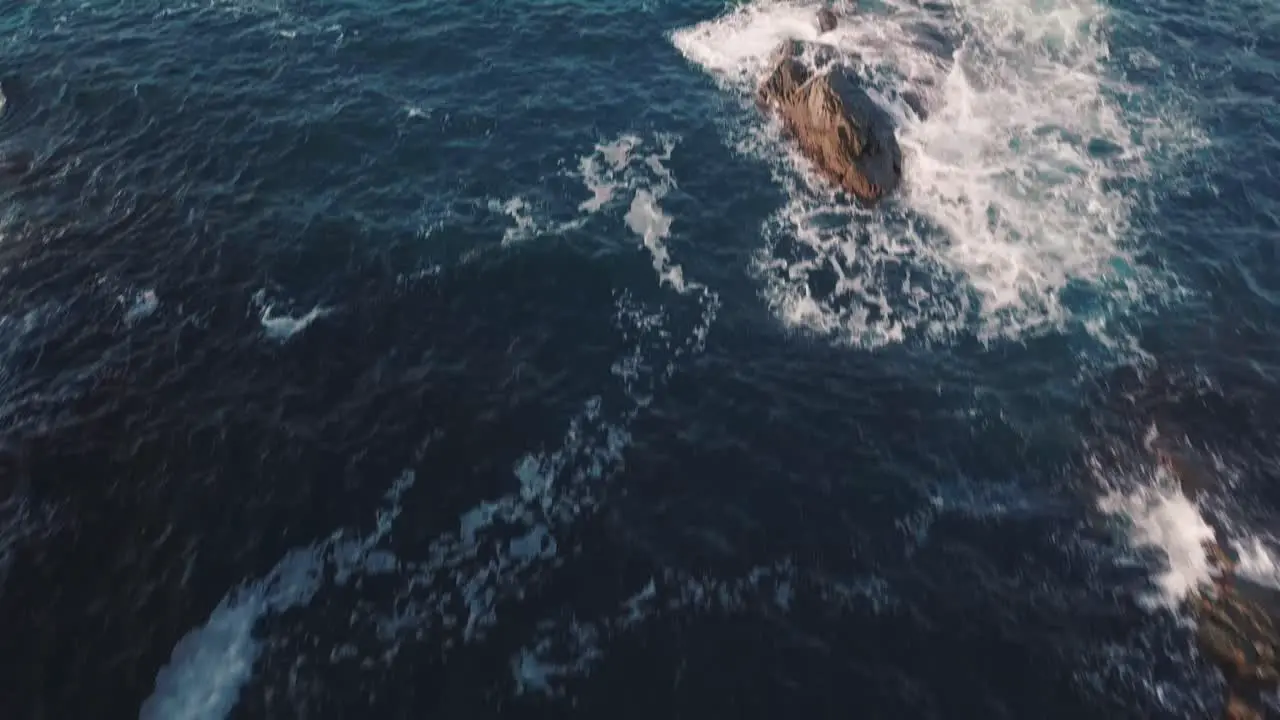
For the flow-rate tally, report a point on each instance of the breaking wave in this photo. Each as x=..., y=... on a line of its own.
x=1020, y=164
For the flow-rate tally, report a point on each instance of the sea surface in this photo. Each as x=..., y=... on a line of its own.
x=413, y=358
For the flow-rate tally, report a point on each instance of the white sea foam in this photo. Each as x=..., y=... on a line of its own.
x=1163, y=519
x=629, y=175
x=519, y=211
x=630, y=167
x=1257, y=560
x=282, y=327
x=141, y=306
x=1009, y=195
x=210, y=665
x=1160, y=517
x=647, y=219
x=601, y=170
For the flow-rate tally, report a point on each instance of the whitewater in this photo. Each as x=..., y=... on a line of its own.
x=1019, y=175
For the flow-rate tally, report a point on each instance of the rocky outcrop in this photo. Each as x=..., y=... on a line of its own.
x=833, y=121
x=1237, y=633
x=1235, y=619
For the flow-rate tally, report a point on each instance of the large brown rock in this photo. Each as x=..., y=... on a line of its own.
x=835, y=123
x=1236, y=632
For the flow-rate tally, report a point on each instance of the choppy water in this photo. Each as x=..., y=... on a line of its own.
x=499, y=359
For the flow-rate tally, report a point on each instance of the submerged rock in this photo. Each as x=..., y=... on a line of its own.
x=826, y=20
x=835, y=123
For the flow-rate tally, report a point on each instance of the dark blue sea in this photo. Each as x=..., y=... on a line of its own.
x=428, y=359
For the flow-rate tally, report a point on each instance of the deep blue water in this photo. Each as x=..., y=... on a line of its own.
x=470, y=360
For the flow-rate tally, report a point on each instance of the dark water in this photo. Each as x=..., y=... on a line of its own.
x=491, y=360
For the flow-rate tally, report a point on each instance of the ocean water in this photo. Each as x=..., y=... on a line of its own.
x=468, y=360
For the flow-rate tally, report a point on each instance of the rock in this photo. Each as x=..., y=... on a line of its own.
x=817, y=55
x=1235, y=632
x=826, y=21
x=835, y=123
x=1235, y=618
x=914, y=100
x=1238, y=709
x=788, y=74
